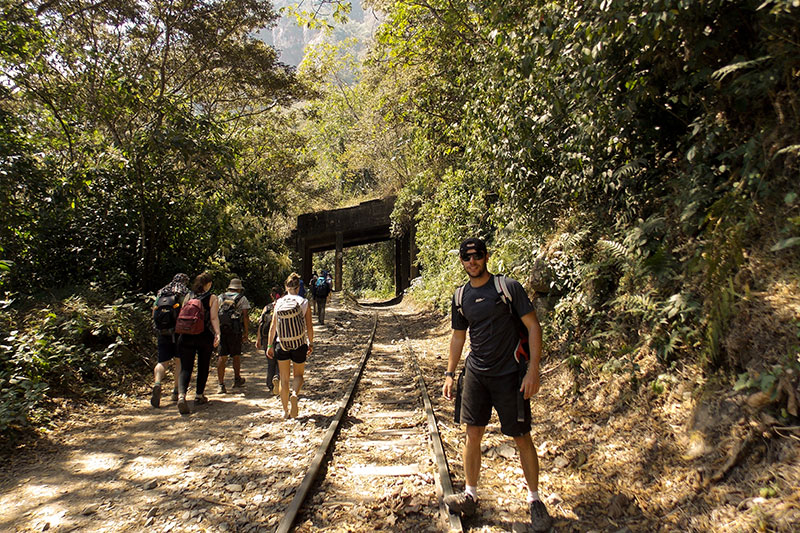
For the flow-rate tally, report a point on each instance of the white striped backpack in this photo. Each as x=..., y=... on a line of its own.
x=291, y=323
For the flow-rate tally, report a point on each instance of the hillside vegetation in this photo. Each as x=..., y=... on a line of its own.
x=634, y=163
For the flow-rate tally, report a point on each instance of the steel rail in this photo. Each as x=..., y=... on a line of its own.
x=444, y=484
x=289, y=517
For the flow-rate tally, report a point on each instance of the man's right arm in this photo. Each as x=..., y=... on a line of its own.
x=457, y=340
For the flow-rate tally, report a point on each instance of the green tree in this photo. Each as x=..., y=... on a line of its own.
x=143, y=114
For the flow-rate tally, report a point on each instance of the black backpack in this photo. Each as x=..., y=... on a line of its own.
x=168, y=305
x=265, y=321
x=321, y=288
x=230, y=318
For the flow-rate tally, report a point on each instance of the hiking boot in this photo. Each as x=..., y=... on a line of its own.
x=174, y=396
x=200, y=399
x=276, y=386
x=222, y=389
x=155, y=399
x=461, y=503
x=293, y=409
x=540, y=518
x=183, y=407
x=238, y=382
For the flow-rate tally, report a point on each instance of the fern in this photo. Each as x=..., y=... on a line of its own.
x=572, y=241
x=628, y=169
x=720, y=74
x=791, y=149
x=619, y=253
x=637, y=304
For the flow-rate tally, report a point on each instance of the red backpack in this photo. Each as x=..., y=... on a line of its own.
x=192, y=318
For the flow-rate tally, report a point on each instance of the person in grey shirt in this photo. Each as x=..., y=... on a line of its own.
x=491, y=375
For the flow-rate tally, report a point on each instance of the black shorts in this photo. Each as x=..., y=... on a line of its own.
x=167, y=348
x=230, y=344
x=298, y=355
x=481, y=393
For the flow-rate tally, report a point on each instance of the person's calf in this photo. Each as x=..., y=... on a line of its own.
x=159, y=372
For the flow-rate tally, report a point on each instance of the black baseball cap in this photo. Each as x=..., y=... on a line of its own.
x=473, y=244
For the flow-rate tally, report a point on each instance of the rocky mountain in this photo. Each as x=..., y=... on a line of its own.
x=290, y=39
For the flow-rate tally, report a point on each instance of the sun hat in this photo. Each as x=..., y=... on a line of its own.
x=236, y=284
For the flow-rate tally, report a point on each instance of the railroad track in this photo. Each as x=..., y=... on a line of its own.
x=380, y=464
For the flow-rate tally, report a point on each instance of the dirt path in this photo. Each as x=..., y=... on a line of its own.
x=231, y=465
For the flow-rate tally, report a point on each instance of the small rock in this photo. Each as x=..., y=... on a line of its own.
x=507, y=451
x=617, y=506
x=151, y=484
x=149, y=521
x=561, y=462
x=759, y=400
x=45, y=526
x=519, y=527
x=580, y=459
x=152, y=512
x=90, y=509
x=553, y=499
x=233, y=487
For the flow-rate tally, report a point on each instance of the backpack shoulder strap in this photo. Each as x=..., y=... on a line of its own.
x=501, y=285
x=458, y=298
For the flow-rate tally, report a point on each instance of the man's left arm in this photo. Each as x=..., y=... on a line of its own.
x=530, y=383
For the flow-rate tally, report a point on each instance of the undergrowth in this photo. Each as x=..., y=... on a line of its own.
x=82, y=347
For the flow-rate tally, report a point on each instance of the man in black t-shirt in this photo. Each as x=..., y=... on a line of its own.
x=491, y=375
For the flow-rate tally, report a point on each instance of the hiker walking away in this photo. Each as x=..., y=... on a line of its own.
x=165, y=314
x=492, y=376
x=322, y=288
x=234, y=326
x=313, y=290
x=264, y=322
x=292, y=326
x=198, y=326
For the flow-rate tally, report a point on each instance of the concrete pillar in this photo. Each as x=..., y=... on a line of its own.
x=413, y=246
x=306, y=260
x=405, y=261
x=398, y=270
x=337, y=282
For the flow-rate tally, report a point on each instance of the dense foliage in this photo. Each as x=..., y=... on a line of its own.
x=639, y=158
x=137, y=140
x=141, y=139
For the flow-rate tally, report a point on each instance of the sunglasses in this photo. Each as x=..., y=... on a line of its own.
x=477, y=256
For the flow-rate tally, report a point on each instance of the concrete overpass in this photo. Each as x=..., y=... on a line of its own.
x=365, y=223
